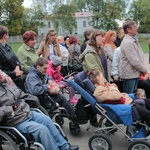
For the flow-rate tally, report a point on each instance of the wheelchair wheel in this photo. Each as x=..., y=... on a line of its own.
x=6, y=143
x=138, y=145
x=99, y=142
x=59, y=119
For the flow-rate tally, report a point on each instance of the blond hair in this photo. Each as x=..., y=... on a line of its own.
x=59, y=38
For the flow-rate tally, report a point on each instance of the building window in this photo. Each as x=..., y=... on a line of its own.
x=49, y=24
x=84, y=24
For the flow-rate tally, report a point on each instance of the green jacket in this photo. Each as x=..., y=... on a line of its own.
x=91, y=60
x=27, y=57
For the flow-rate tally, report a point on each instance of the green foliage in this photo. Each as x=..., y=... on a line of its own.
x=105, y=13
x=64, y=15
x=15, y=47
x=140, y=13
x=12, y=12
x=32, y=19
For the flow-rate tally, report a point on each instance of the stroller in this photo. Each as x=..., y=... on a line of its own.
x=113, y=117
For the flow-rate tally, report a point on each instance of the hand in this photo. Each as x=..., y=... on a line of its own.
x=12, y=113
x=18, y=71
x=50, y=82
x=9, y=80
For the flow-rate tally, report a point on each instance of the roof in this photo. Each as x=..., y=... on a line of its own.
x=83, y=14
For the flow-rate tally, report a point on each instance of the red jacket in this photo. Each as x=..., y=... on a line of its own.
x=54, y=72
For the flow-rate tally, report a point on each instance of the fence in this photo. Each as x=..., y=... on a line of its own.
x=18, y=39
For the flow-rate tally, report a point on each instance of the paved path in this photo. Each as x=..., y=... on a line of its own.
x=119, y=142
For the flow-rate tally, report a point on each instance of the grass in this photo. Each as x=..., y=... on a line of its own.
x=143, y=43
x=15, y=46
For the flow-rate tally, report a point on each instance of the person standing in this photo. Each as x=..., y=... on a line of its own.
x=132, y=59
x=109, y=48
x=87, y=35
x=120, y=35
x=64, y=55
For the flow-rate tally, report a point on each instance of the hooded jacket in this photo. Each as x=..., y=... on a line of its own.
x=54, y=72
x=91, y=60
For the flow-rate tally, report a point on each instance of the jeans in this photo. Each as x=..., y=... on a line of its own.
x=43, y=131
x=130, y=85
x=63, y=102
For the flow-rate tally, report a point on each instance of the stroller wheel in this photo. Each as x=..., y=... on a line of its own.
x=59, y=119
x=74, y=128
x=99, y=142
x=138, y=145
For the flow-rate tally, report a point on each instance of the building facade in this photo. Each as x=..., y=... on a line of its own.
x=83, y=21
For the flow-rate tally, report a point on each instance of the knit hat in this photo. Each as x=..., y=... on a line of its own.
x=56, y=60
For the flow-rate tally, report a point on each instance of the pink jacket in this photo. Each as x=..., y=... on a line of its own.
x=54, y=72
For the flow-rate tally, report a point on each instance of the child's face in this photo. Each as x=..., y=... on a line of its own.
x=141, y=95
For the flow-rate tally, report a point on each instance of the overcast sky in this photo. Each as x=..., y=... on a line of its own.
x=27, y=3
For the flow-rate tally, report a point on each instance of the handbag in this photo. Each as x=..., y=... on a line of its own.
x=76, y=64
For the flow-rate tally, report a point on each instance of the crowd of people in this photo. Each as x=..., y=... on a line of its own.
x=112, y=56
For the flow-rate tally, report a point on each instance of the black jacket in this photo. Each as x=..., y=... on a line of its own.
x=8, y=60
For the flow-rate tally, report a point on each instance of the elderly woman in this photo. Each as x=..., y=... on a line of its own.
x=49, y=47
x=27, y=53
x=93, y=57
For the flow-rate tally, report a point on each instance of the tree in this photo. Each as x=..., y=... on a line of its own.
x=140, y=13
x=105, y=12
x=32, y=19
x=65, y=16
x=11, y=14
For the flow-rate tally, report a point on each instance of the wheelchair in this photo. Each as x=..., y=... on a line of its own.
x=112, y=118
x=12, y=139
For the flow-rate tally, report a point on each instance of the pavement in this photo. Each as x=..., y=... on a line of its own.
x=118, y=140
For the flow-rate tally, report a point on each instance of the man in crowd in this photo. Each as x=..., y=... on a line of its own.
x=16, y=112
x=39, y=83
x=132, y=59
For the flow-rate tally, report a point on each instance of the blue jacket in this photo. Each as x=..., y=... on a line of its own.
x=36, y=82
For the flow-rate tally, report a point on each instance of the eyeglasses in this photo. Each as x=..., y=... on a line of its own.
x=52, y=34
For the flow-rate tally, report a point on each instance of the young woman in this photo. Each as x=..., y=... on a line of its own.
x=110, y=47
x=49, y=47
x=93, y=57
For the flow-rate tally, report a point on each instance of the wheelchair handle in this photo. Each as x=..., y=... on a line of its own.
x=70, y=75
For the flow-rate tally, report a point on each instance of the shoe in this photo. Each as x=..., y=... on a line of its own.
x=73, y=147
x=73, y=100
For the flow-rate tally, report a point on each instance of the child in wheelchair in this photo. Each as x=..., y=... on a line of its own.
x=54, y=67
x=14, y=111
x=105, y=91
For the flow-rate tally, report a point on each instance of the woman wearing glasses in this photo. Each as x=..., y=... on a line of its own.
x=49, y=47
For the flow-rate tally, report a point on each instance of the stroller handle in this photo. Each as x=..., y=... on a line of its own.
x=68, y=76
